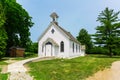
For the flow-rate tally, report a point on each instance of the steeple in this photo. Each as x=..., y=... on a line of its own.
x=54, y=17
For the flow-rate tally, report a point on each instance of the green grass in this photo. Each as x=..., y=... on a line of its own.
x=69, y=69
x=3, y=76
x=3, y=63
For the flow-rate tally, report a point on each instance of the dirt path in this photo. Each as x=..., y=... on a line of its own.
x=5, y=67
x=18, y=71
x=108, y=74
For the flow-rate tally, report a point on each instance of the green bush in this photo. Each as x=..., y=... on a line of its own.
x=1, y=54
x=98, y=50
x=33, y=47
x=116, y=51
x=30, y=54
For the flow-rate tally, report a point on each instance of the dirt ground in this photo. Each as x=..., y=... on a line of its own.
x=108, y=74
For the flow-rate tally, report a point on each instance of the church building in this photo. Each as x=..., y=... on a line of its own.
x=57, y=42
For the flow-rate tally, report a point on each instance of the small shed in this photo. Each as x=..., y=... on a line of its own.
x=17, y=52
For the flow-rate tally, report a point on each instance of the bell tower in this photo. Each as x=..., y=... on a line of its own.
x=54, y=17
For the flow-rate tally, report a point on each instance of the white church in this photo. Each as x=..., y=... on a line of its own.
x=57, y=42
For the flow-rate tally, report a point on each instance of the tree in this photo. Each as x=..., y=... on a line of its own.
x=108, y=33
x=85, y=39
x=33, y=47
x=17, y=25
x=3, y=35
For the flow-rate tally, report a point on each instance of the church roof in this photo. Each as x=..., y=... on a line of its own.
x=69, y=35
x=54, y=22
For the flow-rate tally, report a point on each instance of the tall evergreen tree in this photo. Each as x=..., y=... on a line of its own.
x=85, y=39
x=108, y=32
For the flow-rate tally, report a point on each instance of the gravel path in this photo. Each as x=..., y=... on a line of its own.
x=108, y=74
x=20, y=76
x=18, y=71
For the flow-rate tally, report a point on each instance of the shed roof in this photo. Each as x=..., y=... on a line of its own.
x=14, y=47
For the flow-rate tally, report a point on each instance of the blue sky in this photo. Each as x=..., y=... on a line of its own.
x=73, y=14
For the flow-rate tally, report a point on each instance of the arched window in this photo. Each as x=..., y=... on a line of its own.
x=48, y=43
x=76, y=47
x=42, y=48
x=73, y=47
x=52, y=31
x=62, y=46
x=79, y=48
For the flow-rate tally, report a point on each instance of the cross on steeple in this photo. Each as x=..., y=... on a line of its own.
x=54, y=17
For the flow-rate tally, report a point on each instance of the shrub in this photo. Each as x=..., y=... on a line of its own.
x=116, y=51
x=98, y=50
x=30, y=54
x=33, y=47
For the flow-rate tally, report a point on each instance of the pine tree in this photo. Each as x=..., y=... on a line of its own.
x=108, y=33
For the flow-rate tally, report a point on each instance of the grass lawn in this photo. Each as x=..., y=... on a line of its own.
x=3, y=76
x=69, y=69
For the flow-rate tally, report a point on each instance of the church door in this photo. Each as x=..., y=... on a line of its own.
x=48, y=49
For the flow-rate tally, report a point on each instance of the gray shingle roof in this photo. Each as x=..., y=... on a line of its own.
x=69, y=35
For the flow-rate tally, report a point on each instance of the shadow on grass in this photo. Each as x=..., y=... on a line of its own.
x=27, y=55
x=103, y=56
x=5, y=58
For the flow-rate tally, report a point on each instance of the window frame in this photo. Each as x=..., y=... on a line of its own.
x=61, y=46
x=73, y=47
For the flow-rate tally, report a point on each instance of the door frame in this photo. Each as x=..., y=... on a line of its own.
x=49, y=43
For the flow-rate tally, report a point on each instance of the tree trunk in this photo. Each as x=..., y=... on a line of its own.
x=110, y=52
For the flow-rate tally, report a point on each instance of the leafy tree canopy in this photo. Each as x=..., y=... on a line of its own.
x=3, y=34
x=85, y=39
x=17, y=25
